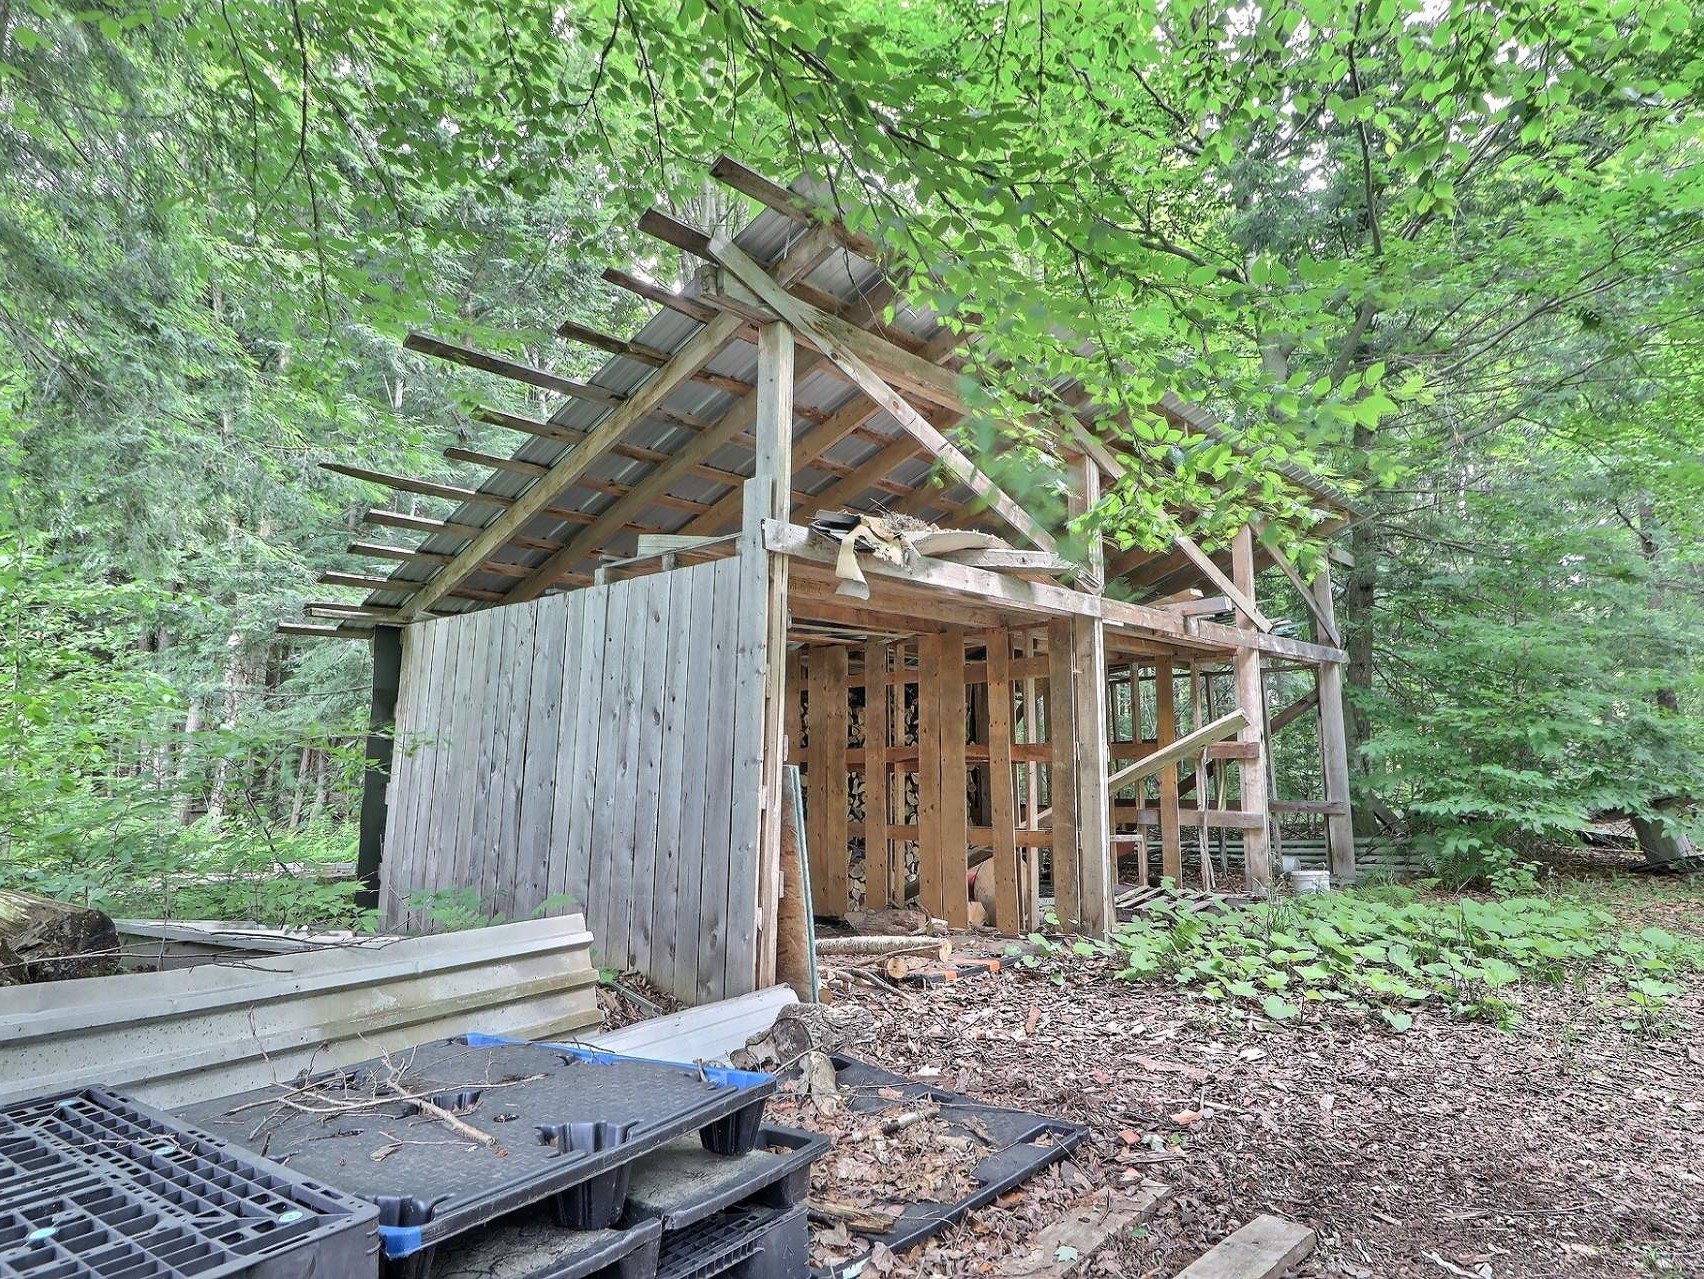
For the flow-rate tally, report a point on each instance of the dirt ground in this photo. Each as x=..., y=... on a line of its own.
x=1567, y=1146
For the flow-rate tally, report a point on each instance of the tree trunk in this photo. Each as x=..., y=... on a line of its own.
x=1360, y=595
x=56, y=940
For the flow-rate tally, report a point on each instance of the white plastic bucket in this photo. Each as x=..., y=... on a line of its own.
x=1310, y=881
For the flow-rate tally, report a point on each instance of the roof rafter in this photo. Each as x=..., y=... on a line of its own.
x=807, y=323
x=693, y=355
x=799, y=260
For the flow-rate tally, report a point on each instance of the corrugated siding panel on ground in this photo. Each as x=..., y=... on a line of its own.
x=584, y=750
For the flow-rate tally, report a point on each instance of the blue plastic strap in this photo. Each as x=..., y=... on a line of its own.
x=400, y=1241
x=720, y=1076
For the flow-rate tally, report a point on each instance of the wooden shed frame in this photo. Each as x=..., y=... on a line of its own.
x=571, y=714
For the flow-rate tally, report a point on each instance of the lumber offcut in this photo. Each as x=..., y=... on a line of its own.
x=1264, y=1249
x=57, y=940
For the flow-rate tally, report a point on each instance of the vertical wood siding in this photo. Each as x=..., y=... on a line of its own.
x=584, y=751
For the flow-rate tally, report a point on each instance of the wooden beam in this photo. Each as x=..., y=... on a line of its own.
x=1266, y=1248
x=1251, y=701
x=692, y=355
x=767, y=497
x=1323, y=621
x=1013, y=561
x=884, y=874
x=1212, y=818
x=420, y=523
x=530, y=426
x=807, y=322
x=1062, y=739
x=1334, y=744
x=360, y=612
x=1294, y=711
x=797, y=262
x=406, y=484
x=303, y=630
x=406, y=554
x=657, y=293
x=1212, y=572
x=1002, y=808
x=1178, y=750
x=731, y=173
x=1165, y=733
x=499, y=366
x=1096, y=872
x=1044, y=599
x=905, y=370
x=514, y=466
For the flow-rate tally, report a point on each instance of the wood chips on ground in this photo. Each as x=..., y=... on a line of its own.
x=1568, y=1146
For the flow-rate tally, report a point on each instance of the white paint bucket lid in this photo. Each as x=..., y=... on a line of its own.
x=1310, y=881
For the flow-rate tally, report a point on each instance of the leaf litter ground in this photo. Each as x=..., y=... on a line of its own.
x=1569, y=1145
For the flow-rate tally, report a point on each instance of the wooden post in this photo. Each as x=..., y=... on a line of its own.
x=381, y=729
x=1257, y=853
x=1087, y=692
x=1334, y=745
x=1165, y=733
x=1061, y=773
x=768, y=495
x=1094, y=807
x=1001, y=805
x=931, y=890
x=883, y=884
x=954, y=799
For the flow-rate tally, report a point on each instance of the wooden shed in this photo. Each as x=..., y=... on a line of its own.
x=600, y=660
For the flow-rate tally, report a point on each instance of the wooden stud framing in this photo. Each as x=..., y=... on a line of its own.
x=1002, y=808
x=954, y=817
x=884, y=880
x=1251, y=700
x=1164, y=761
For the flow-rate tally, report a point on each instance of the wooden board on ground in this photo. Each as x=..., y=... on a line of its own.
x=1264, y=1249
x=1066, y=1247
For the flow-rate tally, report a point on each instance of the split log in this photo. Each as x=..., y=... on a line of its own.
x=56, y=940
x=941, y=948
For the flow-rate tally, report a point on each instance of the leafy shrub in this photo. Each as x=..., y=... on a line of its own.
x=1392, y=952
x=1466, y=857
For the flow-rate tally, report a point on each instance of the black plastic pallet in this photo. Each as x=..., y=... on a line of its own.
x=1024, y=1143
x=569, y=1122
x=529, y=1245
x=681, y=1183
x=742, y=1242
x=96, y=1186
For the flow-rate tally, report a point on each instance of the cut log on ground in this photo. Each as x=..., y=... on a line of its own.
x=55, y=940
x=941, y=948
x=1264, y=1249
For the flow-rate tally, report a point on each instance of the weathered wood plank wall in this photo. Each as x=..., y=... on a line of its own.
x=583, y=751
